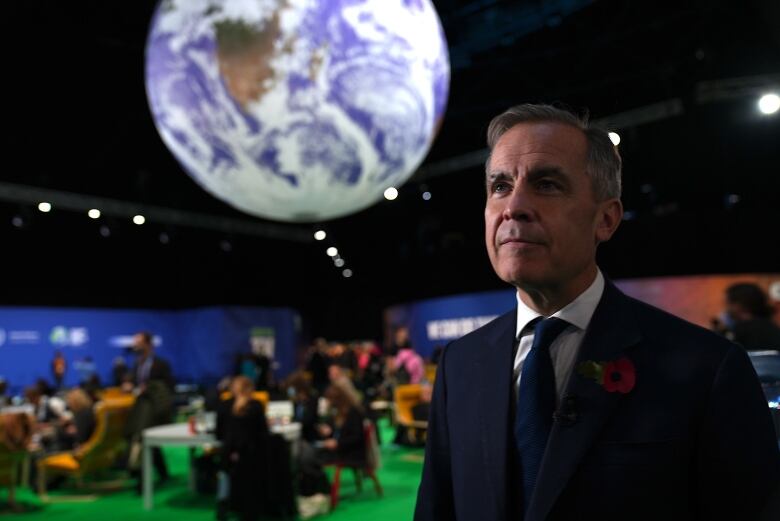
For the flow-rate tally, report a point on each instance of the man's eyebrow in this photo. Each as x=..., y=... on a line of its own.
x=498, y=175
x=534, y=174
x=546, y=171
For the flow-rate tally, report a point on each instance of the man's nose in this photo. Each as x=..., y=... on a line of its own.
x=519, y=205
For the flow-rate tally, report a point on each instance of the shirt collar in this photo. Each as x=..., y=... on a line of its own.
x=578, y=312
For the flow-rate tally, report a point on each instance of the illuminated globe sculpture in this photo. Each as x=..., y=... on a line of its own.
x=297, y=110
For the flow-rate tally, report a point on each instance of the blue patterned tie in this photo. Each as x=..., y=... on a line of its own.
x=536, y=403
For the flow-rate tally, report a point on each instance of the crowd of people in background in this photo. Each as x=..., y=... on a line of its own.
x=350, y=378
x=331, y=395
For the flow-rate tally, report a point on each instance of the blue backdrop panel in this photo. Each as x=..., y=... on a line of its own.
x=200, y=344
x=212, y=338
x=436, y=322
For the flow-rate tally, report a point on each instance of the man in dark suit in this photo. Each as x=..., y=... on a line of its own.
x=583, y=403
x=154, y=384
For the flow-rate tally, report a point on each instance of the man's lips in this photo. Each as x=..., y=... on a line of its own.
x=516, y=240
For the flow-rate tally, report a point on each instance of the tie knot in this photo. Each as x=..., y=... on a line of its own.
x=547, y=330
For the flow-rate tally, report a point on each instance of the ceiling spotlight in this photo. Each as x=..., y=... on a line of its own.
x=105, y=231
x=139, y=219
x=391, y=193
x=320, y=235
x=164, y=238
x=347, y=273
x=769, y=103
x=426, y=196
x=339, y=263
x=614, y=137
x=17, y=221
x=94, y=213
x=332, y=252
x=44, y=207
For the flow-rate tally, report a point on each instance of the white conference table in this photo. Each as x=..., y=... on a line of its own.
x=179, y=435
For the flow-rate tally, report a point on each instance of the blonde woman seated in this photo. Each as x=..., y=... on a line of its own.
x=79, y=423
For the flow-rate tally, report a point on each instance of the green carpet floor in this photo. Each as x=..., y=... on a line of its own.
x=399, y=475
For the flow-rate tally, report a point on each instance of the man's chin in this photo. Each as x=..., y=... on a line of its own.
x=523, y=278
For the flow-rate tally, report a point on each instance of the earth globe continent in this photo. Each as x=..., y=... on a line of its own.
x=297, y=110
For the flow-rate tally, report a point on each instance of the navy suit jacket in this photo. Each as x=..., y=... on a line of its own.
x=693, y=439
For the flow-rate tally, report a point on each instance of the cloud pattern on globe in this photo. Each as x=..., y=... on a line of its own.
x=297, y=110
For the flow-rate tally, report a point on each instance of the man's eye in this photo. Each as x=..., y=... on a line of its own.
x=547, y=185
x=500, y=187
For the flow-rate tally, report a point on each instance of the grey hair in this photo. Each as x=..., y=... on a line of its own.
x=604, y=164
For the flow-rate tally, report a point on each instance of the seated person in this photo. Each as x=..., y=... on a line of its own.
x=749, y=315
x=47, y=411
x=345, y=439
x=305, y=404
x=80, y=425
x=16, y=431
x=45, y=408
x=4, y=399
x=422, y=408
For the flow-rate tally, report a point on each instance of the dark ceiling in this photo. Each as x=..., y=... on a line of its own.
x=701, y=182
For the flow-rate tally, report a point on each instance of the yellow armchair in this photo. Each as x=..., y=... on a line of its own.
x=261, y=396
x=98, y=453
x=405, y=398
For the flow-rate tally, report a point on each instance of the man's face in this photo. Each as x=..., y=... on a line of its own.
x=401, y=336
x=140, y=346
x=334, y=372
x=542, y=221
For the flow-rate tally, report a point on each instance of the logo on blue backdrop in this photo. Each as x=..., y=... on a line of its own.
x=12, y=337
x=126, y=341
x=69, y=336
x=454, y=328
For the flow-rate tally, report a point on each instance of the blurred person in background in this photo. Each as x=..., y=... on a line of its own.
x=408, y=367
x=243, y=430
x=400, y=341
x=436, y=354
x=344, y=356
x=86, y=369
x=317, y=365
x=749, y=318
x=93, y=387
x=344, y=435
x=119, y=371
x=338, y=378
x=422, y=409
x=305, y=403
x=46, y=409
x=80, y=424
x=4, y=398
x=245, y=366
x=152, y=383
x=263, y=367
x=370, y=370
x=58, y=368
x=16, y=431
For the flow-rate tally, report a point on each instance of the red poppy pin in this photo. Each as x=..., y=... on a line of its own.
x=617, y=376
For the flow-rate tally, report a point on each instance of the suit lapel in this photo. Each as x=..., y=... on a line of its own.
x=495, y=388
x=612, y=329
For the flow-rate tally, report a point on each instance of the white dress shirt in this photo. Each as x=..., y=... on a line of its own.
x=564, y=348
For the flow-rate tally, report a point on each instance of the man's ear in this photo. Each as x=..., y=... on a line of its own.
x=610, y=213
